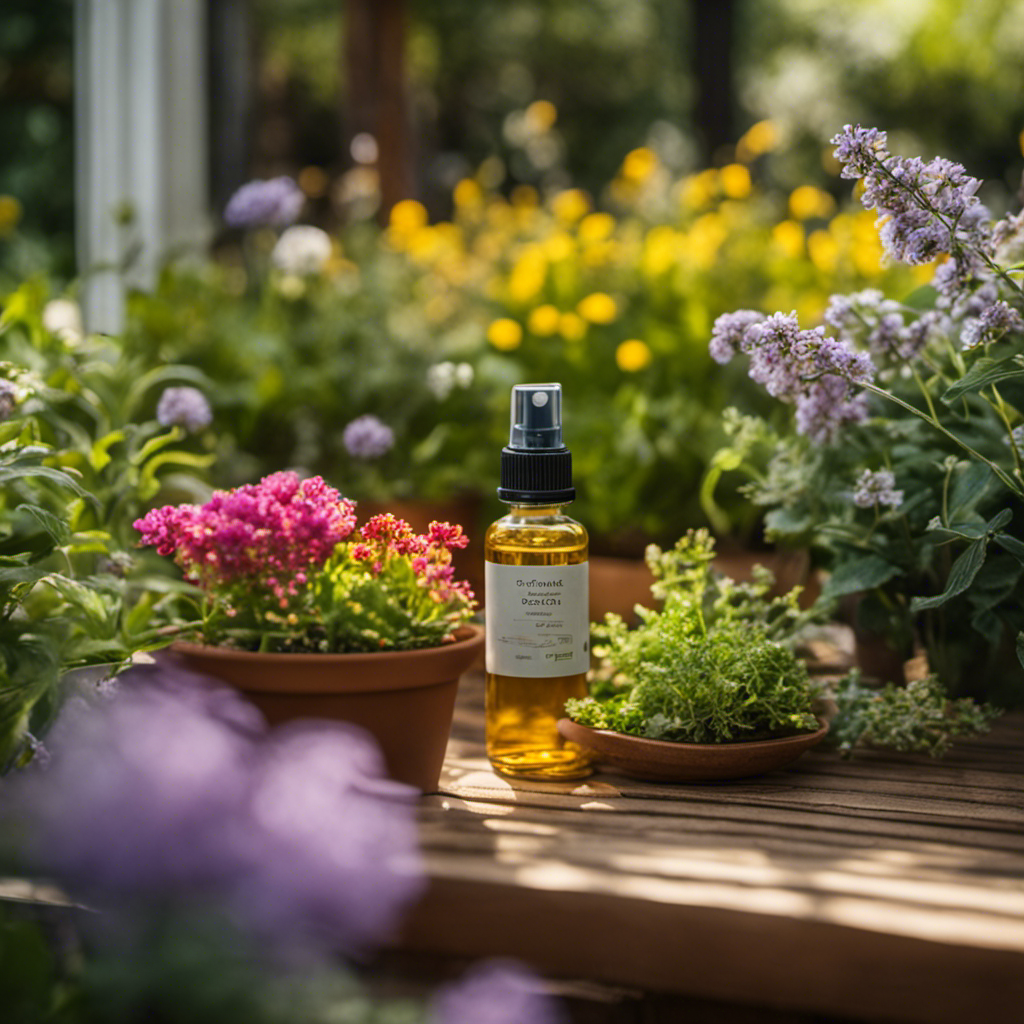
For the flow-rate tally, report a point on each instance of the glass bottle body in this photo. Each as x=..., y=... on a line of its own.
x=523, y=709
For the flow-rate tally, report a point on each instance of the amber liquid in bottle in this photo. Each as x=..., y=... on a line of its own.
x=522, y=737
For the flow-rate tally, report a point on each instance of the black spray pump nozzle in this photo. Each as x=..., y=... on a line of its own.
x=536, y=466
x=536, y=417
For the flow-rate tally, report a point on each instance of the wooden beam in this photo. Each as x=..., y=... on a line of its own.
x=376, y=95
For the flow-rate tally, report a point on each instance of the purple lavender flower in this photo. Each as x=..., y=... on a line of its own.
x=995, y=321
x=274, y=202
x=869, y=319
x=495, y=992
x=184, y=406
x=816, y=373
x=172, y=791
x=136, y=794
x=8, y=399
x=860, y=149
x=924, y=209
x=826, y=407
x=875, y=489
x=728, y=333
x=332, y=844
x=366, y=437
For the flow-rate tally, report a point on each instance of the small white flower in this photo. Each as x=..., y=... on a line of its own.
x=302, y=250
x=441, y=379
x=63, y=318
x=464, y=375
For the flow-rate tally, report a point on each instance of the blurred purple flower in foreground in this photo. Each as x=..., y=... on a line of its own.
x=184, y=406
x=495, y=992
x=174, y=790
x=271, y=202
x=368, y=438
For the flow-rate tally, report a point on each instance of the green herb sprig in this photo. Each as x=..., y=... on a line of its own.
x=714, y=665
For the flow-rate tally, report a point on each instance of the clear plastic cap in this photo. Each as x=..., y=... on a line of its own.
x=536, y=417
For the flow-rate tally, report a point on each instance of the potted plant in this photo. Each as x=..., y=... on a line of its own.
x=311, y=617
x=712, y=685
x=706, y=687
x=904, y=470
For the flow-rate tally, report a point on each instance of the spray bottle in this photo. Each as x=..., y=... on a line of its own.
x=537, y=607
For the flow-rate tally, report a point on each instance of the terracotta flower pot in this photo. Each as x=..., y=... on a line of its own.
x=405, y=699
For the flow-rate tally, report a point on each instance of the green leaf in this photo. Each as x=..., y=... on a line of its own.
x=969, y=486
x=148, y=483
x=8, y=473
x=1011, y=544
x=860, y=574
x=984, y=372
x=99, y=456
x=56, y=527
x=961, y=576
x=86, y=599
x=999, y=520
x=154, y=444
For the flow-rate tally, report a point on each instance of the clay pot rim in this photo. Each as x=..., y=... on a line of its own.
x=669, y=761
x=470, y=634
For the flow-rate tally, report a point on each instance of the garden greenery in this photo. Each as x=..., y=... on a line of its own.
x=711, y=666
x=905, y=466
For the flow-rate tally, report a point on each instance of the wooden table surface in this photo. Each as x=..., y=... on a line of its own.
x=888, y=887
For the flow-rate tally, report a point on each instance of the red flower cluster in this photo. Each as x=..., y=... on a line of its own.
x=385, y=536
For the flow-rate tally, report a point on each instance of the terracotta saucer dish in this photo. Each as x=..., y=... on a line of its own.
x=661, y=761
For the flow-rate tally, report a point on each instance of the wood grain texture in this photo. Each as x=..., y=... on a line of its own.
x=889, y=887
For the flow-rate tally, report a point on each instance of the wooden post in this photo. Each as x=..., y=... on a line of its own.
x=713, y=34
x=140, y=145
x=376, y=91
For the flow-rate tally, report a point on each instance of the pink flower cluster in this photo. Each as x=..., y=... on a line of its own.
x=385, y=536
x=266, y=535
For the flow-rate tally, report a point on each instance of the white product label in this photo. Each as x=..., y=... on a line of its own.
x=538, y=619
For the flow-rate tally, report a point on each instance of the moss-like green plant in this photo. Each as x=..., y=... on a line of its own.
x=712, y=666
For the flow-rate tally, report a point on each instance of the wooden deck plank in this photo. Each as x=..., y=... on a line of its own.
x=894, y=883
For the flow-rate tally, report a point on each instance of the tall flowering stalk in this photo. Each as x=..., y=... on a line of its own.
x=950, y=361
x=281, y=566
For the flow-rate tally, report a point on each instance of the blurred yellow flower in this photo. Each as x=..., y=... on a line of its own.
x=598, y=308
x=823, y=250
x=867, y=252
x=757, y=139
x=10, y=214
x=468, y=195
x=559, y=246
x=505, y=334
x=661, y=249
x=735, y=181
x=788, y=237
x=697, y=190
x=544, y=321
x=596, y=227
x=639, y=165
x=705, y=239
x=633, y=355
x=572, y=327
x=570, y=205
x=528, y=274
x=806, y=201
x=408, y=215
x=541, y=116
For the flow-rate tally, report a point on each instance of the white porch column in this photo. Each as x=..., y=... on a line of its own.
x=140, y=144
